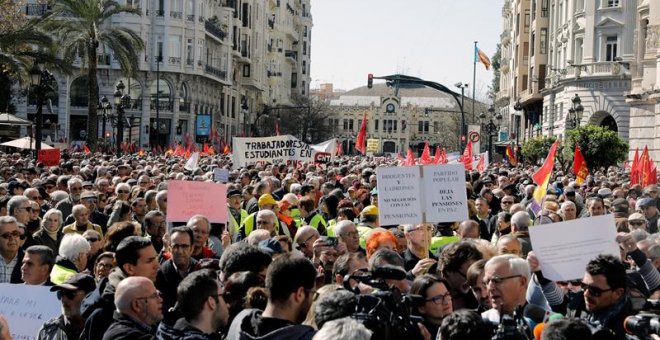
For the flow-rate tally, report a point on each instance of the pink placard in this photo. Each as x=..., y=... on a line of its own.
x=187, y=198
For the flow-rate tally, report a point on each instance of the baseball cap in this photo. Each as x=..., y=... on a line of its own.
x=79, y=281
x=233, y=192
x=271, y=246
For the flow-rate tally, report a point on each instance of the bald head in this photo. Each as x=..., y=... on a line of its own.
x=137, y=298
x=128, y=290
x=468, y=229
x=304, y=233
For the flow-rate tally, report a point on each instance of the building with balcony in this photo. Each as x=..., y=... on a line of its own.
x=415, y=116
x=204, y=61
x=644, y=95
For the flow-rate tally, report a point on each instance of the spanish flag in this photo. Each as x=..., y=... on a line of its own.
x=542, y=178
x=480, y=56
x=579, y=166
x=510, y=156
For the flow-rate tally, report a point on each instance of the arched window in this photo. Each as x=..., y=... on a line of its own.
x=184, y=101
x=79, y=94
x=161, y=95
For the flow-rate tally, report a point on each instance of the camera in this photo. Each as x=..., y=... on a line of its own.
x=329, y=241
x=385, y=312
x=645, y=323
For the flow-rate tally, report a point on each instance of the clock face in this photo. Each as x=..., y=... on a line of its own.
x=389, y=108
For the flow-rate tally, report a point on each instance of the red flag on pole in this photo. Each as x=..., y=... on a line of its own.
x=86, y=149
x=481, y=165
x=410, y=158
x=642, y=166
x=426, y=155
x=466, y=158
x=277, y=128
x=340, y=149
x=360, y=142
x=634, y=174
x=579, y=166
x=442, y=159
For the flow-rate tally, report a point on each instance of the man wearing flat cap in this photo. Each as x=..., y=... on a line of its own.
x=70, y=323
x=647, y=206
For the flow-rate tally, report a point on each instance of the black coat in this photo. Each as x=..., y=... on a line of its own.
x=167, y=281
x=16, y=272
x=124, y=328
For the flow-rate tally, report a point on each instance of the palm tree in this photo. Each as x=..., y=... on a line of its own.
x=81, y=27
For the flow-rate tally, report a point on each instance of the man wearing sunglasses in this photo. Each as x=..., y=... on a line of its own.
x=12, y=254
x=70, y=323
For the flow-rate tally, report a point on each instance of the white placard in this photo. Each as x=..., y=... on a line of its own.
x=399, y=195
x=565, y=248
x=26, y=308
x=445, y=195
x=271, y=150
x=221, y=175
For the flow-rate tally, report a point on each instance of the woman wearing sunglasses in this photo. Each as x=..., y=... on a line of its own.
x=437, y=301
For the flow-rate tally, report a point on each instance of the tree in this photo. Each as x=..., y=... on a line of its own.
x=308, y=122
x=535, y=150
x=496, y=62
x=81, y=27
x=600, y=146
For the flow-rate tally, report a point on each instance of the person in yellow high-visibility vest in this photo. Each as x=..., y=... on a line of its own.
x=235, y=215
x=265, y=202
x=368, y=221
x=310, y=216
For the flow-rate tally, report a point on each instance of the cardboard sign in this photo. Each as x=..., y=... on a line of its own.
x=221, y=175
x=373, y=145
x=26, y=308
x=187, y=198
x=564, y=249
x=50, y=157
x=417, y=194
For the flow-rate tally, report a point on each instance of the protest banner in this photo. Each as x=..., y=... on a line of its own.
x=329, y=146
x=565, y=248
x=373, y=145
x=50, y=157
x=416, y=194
x=399, y=195
x=221, y=175
x=277, y=149
x=26, y=308
x=188, y=198
x=446, y=198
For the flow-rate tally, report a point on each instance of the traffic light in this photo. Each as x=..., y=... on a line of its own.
x=370, y=80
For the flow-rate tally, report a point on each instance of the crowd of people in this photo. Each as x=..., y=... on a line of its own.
x=293, y=258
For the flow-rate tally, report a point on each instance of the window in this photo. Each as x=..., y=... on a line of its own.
x=189, y=51
x=348, y=124
x=403, y=126
x=544, y=40
x=610, y=48
x=233, y=107
x=423, y=126
x=304, y=48
x=175, y=47
x=376, y=125
x=544, y=8
x=527, y=21
x=612, y=3
x=533, y=43
x=304, y=67
x=578, y=51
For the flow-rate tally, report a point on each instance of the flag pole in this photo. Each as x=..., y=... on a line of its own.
x=474, y=78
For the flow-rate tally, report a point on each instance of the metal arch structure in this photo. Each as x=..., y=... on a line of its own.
x=401, y=79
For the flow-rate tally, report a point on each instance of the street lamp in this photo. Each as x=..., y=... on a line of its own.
x=575, y=112
x=121, y=100
x=40, y=80
x=105, y=106
x=462, y=86
x=491, y=128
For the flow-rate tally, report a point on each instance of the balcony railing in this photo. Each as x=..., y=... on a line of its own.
x=174, y=60
x=273, y=74
x=291, y=54
x=176, y=15
x=200, y=19
x=184, y=107
x=190, y=17
x=218, y=73
x=103, y=59
x=162, y=105
x=214, y=29
x=36, y=9
x=160, y=13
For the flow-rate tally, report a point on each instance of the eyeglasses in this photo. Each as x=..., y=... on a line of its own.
x=70, y=294
x=263, y=222
x=440, y=299
x=104, y=265
x=594, y=291
x=636, y=222
x=76, y=189
x=28, y=209
x=498, y=280
x=122, y=191
x=428, y=228
x=304, y=243
x=90, y=199
x=507, y=202
x=14, y=234
x=92, y=239
x=352, y=234
x=155, y=295
x=573, y=282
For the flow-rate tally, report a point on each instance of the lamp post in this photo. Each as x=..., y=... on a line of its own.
x=491, y=128
x=159, y=58
x=40, y=80
x=462, y=86
x=121, y=100
x=575, y=112
x=105, y=106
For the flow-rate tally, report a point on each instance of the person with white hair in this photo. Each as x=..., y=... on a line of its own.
x=568, y=211
x=71, y=258
x=75, y=188
x=506, y=278
x=343, y=328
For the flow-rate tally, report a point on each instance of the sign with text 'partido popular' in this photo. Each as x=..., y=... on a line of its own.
x=416, y=194
x=188, y=198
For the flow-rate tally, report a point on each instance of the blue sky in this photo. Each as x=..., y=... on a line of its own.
x=430, y=39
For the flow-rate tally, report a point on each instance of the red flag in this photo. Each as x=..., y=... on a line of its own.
x=206, y=148
x=436, y=157
x=400, y=159
x=481, y=165
x=362, y=135
x=654, y=175
x=579, y=166
x=86, y=149
x=340, y=149
x=226, y=151
x=277, y=128
x=410, y=158
x=426, y=155
x=642, y=167
x=442, y=159
x=179, y=150
x=211, y=151
x=466, y=158
x=542, y=176
x=634, y=174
